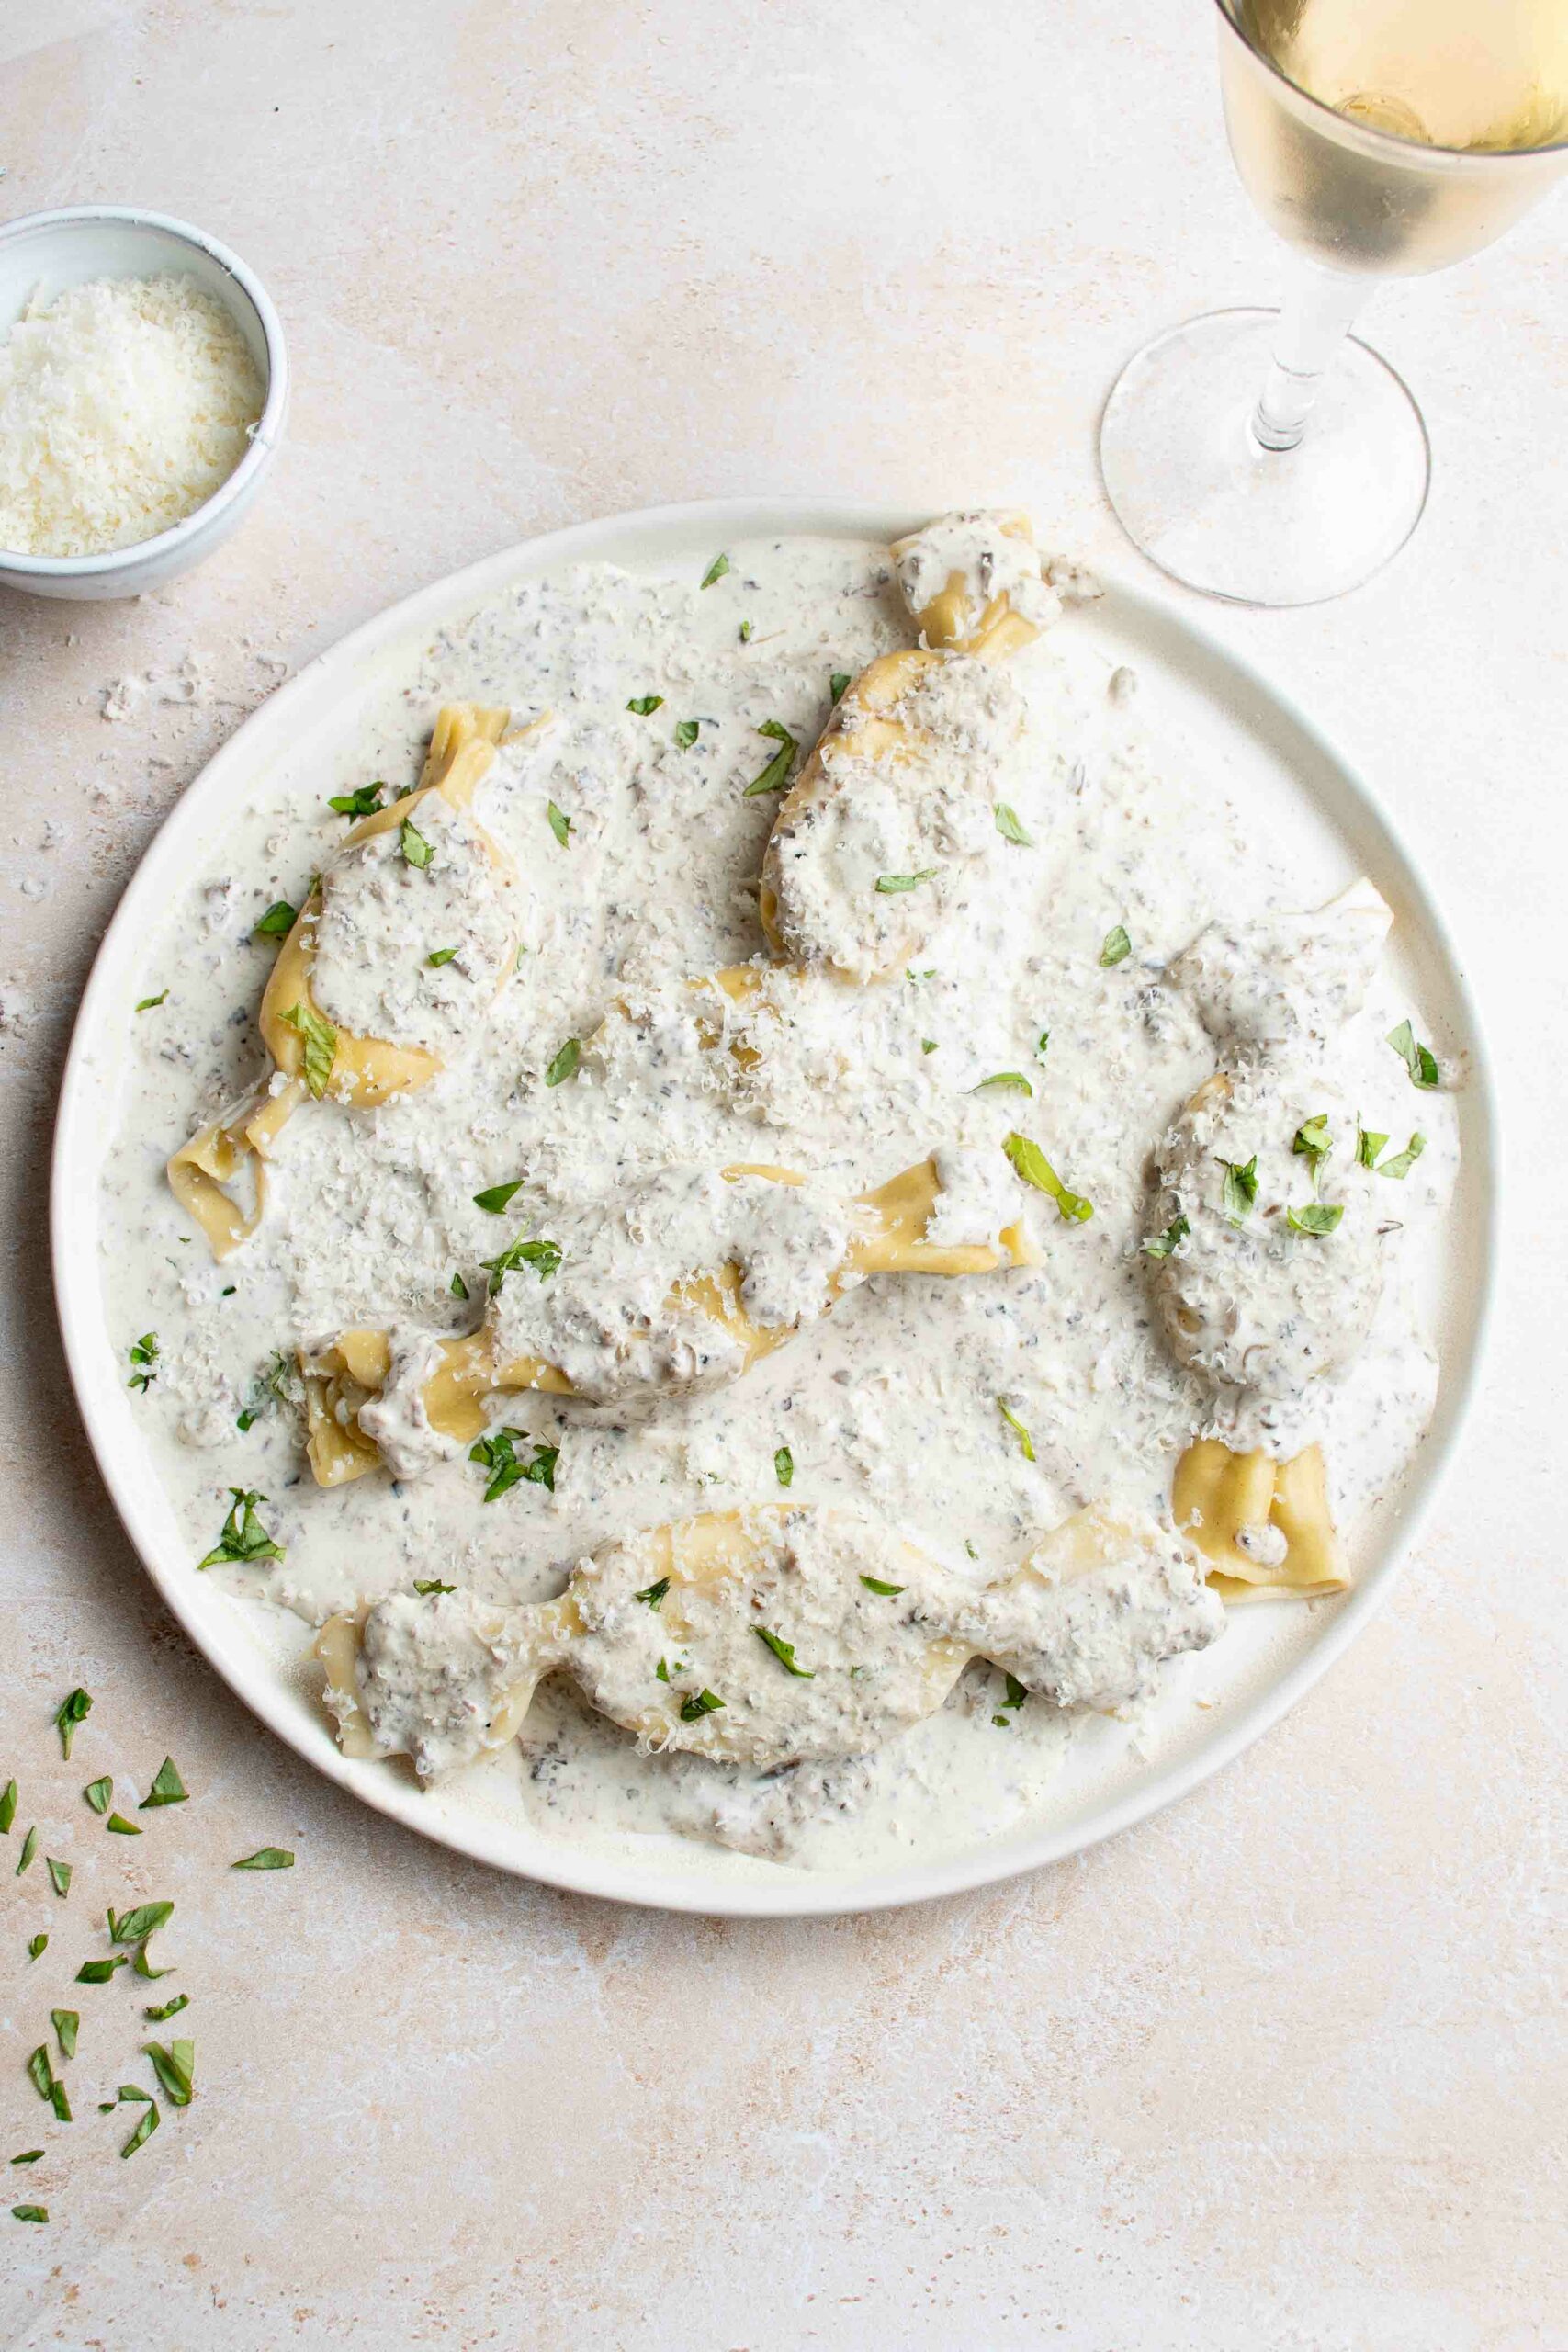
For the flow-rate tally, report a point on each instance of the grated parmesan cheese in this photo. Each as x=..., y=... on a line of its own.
x=124, y=404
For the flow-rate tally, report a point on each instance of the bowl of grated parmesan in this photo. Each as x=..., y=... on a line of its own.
x=143, y=391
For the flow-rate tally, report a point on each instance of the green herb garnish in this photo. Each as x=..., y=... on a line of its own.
x=1315, y=1217
x=1240, y=1187
x=243, y=1537
x=1162, y=1244
x=99, y=1972
x=686, y=733
x=98, y=1792
x=1004, y=1081
x=365, y=802
x=716, y=570
x=1368, y=1143
x=36, y=1947
x=893, y=885
x=875, y=1584
x=1116, y=947
x=133, y=1927
x=277, y=923
x=29, y=2212
x=118, y=1822
x=144, y=1353
x=167, y=1788
x=1403, y=1161
x=837, y=683
x=927, y=1045
x=150, y=1003
x=497, y=1451
x=65, y=2023
x=146, y=2124
x=1314, y=1142
x=1031, y=1163
x=776, y=775
x=1009, y=828
x=745, y=632
x=560, y=823
x=646, y=705
x=321, y=1046
x=428, y=1587
x=495, y=1198
x=74, y=1710
x=29, y=2157
x=59, y=1874
x=652, y=1595
x=564, y=1062
x=30, y=1847
x=1419, y=1060
x=438, y=956
x=785, y=1652
x=702, y=1702
x=175, y=2065
x=416, y=850
x=1010, y=1418
x=266, y=1858
x=543, y=1256
x=459, y=1287
x=783, y=1466
x=167, y=2009
x=40, y=2070
x=7, y=1807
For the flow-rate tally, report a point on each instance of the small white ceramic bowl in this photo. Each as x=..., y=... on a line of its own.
x=50, y=252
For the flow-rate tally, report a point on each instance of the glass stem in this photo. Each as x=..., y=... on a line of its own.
x=1312, y=323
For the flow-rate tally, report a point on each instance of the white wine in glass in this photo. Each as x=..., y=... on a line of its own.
x=1270, y=457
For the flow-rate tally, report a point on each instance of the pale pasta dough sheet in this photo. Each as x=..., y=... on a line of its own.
x=893, y=1401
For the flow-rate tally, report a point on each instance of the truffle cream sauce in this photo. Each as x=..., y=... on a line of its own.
x=892, y=1401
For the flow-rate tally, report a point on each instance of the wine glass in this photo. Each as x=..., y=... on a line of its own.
x=1270, y=457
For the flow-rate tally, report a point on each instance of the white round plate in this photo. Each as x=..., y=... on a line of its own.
x=1263, y=747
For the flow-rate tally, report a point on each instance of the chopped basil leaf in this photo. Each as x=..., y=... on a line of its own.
x=362, y=803
x=243, y=1537
x=150, y=1003
x=564, y=1063
x=66, y=2023
x=29, y=2212
x=1010, y=1418
x=266, y=1858
x=929, y=974
x=430, y=1585
x=459, y=1287
x=716, y=570
x=494, y=1198
x=277, y=923
x=969, y=1547
x=73, y=1709
x=143, y=1966
x=130, y=1927
x=167, y=2009
x=652, y=1595
x=1116, y=947
x=661, y=1671
x=246, y=1419
x=543, y=1256
x=646, y=705
x=875, y=1584
x=837, y=683
x=118, y=1822
x=703, y=1702
x=1162, y=1244
x=41, y=2072
x=129, y=2094
x=745, y=632
x=8, y=1806
x=498, y=1452
x=1314, y=1142
x=560, y=823
x=783, y=1466
x=1368, y=1143
x=927, y=1045
x=776, y=775
x=1009, y=828
x=98, y=1792
x=29, y=2157
x=785, y=1652
x=167, y=1787
x=175, y=2065
x=321, y=1046
x=1419, y=1060
x=686, y=733
x=1240, y=1187
x=144, y=1353
x=1041, y=1043
x=438, y=956
x=416, y=850
x=1017, y=1692
x=36, y=1947
x=1316, y=1217
x=1032, y=1164
x=1403, y=1161
x=99, y=1972
x=30, y=1847
x=59, y=1874
x=146, y=2124
x=1003, y=1081
x=892, y=886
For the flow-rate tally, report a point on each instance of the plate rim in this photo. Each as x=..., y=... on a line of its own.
x=77, y=1285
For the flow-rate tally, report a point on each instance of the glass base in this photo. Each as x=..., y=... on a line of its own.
x=1194, y=488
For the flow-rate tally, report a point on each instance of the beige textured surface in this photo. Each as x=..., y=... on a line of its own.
x=1283, y=2068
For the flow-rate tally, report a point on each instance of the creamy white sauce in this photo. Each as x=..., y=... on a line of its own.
x=891, y=1402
